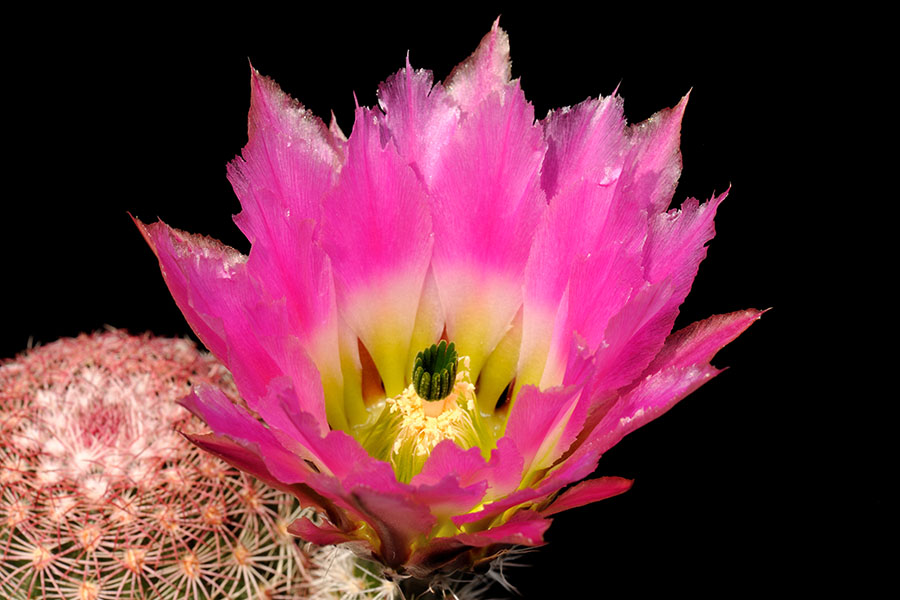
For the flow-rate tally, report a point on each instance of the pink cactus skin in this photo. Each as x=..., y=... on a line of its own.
x=546, y=251
x=102, y=499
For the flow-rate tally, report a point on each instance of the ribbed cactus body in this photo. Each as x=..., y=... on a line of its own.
x=101, y=498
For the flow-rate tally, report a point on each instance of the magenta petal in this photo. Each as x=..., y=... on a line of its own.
x=172, y=247
x=503, y=473
x=227, y=419
x=587, y=492
x=585, y=142
x=634, y=336
x=300, y=373
x=698, y=342
x=286, y=167
x=420, y=118
x=585, y=264
x=673, y=251
x=397, y=519
x=324, y=534
x=448, y=497
x=250, y=461
x=486, y=515
x=239, y=456
x=377, y=231
x=676, y=243
x=209, y=281
x=485, y=72
x=544, y=424
x=297, y=278
x=651, y=398
x=607, y=295
x=486, y=204
x=335, y=454
x=506, y=467
x=525, y=527
x=680, y=367
x=654, y=161
x=446, y=458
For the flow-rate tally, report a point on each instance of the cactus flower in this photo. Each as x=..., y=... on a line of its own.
x=447, y=318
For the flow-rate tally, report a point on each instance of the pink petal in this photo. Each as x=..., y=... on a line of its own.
x=655, y=156
x=486, y=205
x=447, y=458
x=525, y=528
x=641, y=175
x=292, y=267
x=227, y=419
x=156, y=235
x=651, y=398
x=503, y=473
x=448, y=497
x=377, y=231
x=397, y=520
x=634, y=335
x=335, y=453
x=238, y=456
x=250, y=461
x=607, y=294
x=325, y=534
x=485, y=72
x=673, y=251
x=271, y=326
x=286, y=167
x=676, y=243
x=584, y=266
x=420, y=118
x=585, y=142
x=252, y=334
x=544, y=425
x=587, y=492
x=487, y=515
x=679, y=369
x=698, y=342
x=579, y=465
x=210, y=285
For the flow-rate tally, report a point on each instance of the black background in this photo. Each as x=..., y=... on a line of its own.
x=143, y=115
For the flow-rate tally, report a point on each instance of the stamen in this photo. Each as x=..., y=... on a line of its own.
x=434, y=371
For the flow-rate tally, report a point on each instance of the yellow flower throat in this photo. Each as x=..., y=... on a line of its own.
x=408, y=427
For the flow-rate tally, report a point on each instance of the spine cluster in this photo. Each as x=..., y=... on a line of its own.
x=100, y=498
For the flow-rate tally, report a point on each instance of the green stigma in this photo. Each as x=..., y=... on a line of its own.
x=434, y=371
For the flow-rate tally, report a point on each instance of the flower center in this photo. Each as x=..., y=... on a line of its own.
x=420, y=431
x=438, y=405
